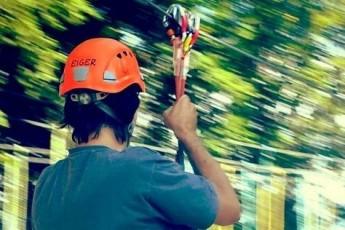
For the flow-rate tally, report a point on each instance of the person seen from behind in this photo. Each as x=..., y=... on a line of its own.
x=105, y=184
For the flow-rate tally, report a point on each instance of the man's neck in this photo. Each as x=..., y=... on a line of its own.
x=107, y=138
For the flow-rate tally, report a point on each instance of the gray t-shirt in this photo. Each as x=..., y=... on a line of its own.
x=96, y=187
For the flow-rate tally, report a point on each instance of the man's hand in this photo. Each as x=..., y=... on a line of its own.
x=181, y=118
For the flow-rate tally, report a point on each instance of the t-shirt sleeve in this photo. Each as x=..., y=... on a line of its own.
x=182, y=198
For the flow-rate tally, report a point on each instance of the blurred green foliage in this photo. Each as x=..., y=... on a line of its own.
x=286, y=89
x=301, y=108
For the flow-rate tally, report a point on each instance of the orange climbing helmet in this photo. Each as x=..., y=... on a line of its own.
x=101, y=64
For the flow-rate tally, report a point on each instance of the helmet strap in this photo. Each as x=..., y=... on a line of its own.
x=86, y=98
x=105, y=108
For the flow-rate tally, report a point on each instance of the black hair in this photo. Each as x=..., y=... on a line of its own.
x=88, y=120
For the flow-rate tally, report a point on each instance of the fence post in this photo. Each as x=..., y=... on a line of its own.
x=15, y=183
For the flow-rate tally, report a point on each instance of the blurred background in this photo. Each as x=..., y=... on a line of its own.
x=268, y=77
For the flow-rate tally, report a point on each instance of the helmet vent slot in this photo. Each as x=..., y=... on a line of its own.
x=119, y=55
